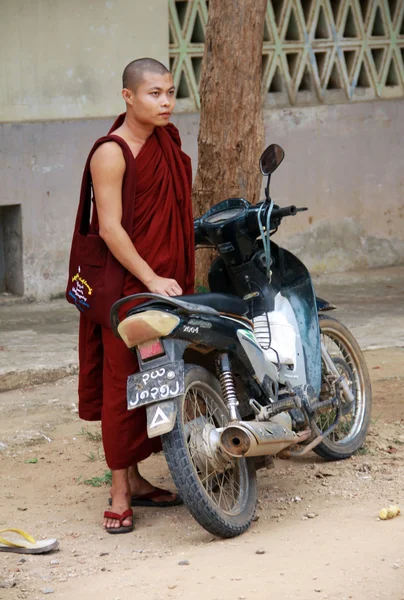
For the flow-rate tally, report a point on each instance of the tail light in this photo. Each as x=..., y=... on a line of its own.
x=146, y=326
x=151, y=349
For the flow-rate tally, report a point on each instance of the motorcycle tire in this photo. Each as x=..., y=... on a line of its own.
x=349, y=435
x=219, y=492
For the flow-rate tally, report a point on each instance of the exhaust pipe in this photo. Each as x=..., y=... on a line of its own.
x=253, y=438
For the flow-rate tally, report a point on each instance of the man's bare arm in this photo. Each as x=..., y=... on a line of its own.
x=107, y=170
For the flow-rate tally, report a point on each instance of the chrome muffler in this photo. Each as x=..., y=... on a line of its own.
x=253, y=438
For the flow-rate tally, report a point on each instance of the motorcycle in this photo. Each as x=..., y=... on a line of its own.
x=232, y=377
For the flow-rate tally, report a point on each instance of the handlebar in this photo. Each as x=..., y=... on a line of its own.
x=277, y=214
x=285, y=211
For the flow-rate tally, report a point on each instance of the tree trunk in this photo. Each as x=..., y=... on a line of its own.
x=231, y=130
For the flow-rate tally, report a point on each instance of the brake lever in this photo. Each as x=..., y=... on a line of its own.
x=301, y=209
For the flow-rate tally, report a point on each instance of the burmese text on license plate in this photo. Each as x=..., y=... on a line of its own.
x=157, y=384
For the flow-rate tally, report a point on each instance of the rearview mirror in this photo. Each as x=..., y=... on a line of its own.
x=271, y=158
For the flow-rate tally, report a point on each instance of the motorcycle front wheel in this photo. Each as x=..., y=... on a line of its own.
x=350, y=433
x=220, y=492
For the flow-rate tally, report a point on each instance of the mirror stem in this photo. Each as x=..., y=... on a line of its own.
x=267, y=188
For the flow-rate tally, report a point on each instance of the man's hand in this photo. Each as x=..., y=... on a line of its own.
x=164, y=286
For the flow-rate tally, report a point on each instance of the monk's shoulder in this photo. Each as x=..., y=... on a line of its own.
x=108, y=156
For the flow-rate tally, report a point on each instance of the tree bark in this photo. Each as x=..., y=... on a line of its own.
x=231, y=130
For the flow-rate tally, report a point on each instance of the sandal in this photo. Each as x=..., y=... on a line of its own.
x=148, y=499
x=30, y=546
x=123, y=528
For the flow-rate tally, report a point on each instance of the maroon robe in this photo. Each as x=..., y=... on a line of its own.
x=163, y=235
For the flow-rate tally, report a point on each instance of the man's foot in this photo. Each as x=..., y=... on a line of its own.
x=142, y=489
x=120, y=503
x=145, y=494
x=128, y=489
x=128, y=514
x=157, y=498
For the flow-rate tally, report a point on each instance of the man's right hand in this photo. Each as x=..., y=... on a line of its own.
x=164, y=286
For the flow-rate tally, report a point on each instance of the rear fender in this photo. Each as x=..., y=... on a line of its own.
x=213, y=332
x=156, y=301
x=205, y=333
x=204, y=337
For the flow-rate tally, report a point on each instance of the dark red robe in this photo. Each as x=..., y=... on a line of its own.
x=163, y=235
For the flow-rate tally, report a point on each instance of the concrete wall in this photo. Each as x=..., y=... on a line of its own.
x=64, y=59
x=60, y=68
x=343, y=162
x=42, y=164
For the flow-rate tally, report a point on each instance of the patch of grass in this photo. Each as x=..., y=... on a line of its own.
x=93, y=437
x=97, y=481
x=374, y=421
x=31, y=461
x=363, y=450
x=201, y=289
x=93, y=456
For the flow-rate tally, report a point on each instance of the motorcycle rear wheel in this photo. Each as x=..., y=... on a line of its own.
x=349, y=435
x=220, y=492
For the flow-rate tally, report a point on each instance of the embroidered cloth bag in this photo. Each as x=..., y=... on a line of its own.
x=96, y=278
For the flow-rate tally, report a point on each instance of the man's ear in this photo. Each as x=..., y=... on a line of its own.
x=127, y=95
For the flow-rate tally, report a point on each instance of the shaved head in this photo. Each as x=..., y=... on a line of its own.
x=134, y=72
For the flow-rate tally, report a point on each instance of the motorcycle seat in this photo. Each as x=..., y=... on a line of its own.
x=223, y=303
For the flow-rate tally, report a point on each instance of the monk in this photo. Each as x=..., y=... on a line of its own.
x=158, y=256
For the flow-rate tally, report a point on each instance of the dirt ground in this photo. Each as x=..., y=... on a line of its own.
x=341, y=552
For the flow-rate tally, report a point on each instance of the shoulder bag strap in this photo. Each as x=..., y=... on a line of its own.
x=82, y=224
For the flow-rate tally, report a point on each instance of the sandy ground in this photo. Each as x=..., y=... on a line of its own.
x=341, y=552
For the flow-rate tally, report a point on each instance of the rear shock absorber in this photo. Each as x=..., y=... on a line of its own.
x=227, y=384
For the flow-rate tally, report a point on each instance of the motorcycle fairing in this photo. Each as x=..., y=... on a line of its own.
x=261, y=364
x=292, y=279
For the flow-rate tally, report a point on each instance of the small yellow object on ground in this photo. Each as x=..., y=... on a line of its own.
x=389, y=513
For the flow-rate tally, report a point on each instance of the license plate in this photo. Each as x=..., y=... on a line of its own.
x=155, y=385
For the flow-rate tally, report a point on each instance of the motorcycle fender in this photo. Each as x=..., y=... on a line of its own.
x=161, y=417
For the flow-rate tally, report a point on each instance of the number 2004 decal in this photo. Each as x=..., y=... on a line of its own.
x=189, y=329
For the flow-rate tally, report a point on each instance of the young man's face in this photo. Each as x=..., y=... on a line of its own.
x=153, y=101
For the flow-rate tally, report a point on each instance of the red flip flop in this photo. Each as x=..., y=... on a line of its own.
x=123, y=528
x=148, y=499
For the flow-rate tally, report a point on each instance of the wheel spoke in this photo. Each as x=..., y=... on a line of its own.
x=223, y=487
x=344, y=359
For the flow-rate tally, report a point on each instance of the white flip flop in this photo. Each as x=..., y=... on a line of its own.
x=30, y=546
